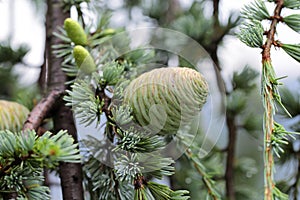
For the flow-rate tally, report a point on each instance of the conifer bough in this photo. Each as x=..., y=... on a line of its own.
x=12, y=115
x=165, y=99
x=83, y=59
x=75, y=32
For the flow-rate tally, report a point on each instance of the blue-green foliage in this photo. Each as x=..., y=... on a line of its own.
x=23, y=157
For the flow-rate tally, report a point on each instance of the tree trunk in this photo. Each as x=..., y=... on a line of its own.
x=54, y=79
x=229, y=174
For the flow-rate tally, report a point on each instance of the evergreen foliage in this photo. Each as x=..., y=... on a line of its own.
x=276, y=136
x=23, y=156
x=91, y=100
x=123, y=146
x=122, y=160
x=12, y=115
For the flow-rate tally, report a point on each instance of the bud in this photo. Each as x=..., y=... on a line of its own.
x=12, y=115
x=83, y=59
x=75, y=32
x=165, y=99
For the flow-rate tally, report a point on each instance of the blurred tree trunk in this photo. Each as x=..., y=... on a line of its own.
x=53, y=78
x=173, y=11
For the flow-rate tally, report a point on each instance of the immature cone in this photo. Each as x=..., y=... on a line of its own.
x=75, y=32
x=108, y=31
x=165, y=99
x=83, y=59
x=12, y=115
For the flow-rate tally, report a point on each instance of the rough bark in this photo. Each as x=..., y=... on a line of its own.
x=70, y=173
x=54, y=18
x=41, y=110
x=268, y=93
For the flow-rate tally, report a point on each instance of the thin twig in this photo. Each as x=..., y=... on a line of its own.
x=80, y=15
x=100, y=93
x=204, y=175
x=268, y=103
x=116, y=185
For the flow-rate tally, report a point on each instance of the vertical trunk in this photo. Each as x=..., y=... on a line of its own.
x=229, y=174
x=173, y=10
x=70, y=173
x=54, y=18
x=230, y=120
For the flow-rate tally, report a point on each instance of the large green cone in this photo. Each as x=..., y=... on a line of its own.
x=165, y=99
x=12, y=115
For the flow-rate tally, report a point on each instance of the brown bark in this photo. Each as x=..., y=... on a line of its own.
x=229, y=174
x=269, y=110
x=266, y=54
x=220, y=32
x=70, y=173
x=173, y=10
x=54, y=18
x=41, y=110
x=212, y=48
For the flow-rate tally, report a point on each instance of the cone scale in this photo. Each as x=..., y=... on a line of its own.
x=12, y=115
x=165, y=99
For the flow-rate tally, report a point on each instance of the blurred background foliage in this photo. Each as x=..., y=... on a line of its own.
x=201, y=21
x=11, y=89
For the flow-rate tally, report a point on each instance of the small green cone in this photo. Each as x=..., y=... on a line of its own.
x=84, y=59
x=107, y=32
x=75, y=32
x=12, y=115
x=165, y=99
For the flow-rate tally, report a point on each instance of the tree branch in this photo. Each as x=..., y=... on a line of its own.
x=207, y=183
x=266, y=54
x=216, y=13
x=41, y=110
x=267, y=86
